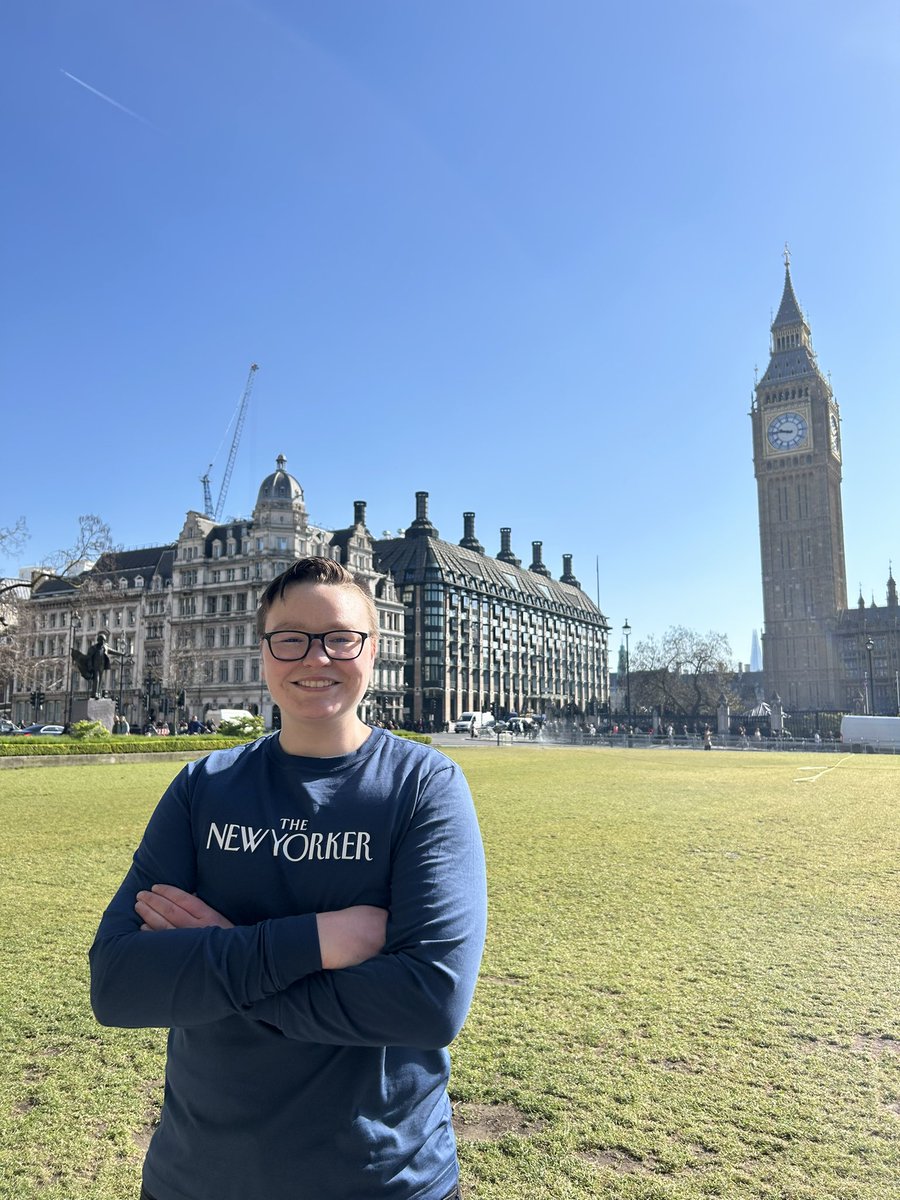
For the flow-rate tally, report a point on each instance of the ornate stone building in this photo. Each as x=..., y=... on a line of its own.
x=867, y=639
x=184, y=615
x=817, y=653
x=457, y=629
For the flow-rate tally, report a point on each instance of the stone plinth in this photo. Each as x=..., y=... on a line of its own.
x=86, y=708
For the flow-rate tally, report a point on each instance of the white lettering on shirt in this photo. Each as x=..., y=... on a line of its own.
x=293, y=843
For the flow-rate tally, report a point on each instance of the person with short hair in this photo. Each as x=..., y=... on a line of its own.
x=306, y=913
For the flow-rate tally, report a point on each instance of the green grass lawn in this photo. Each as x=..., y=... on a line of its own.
x=690, y=986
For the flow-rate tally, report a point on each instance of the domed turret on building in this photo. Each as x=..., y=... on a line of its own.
x=280, y=489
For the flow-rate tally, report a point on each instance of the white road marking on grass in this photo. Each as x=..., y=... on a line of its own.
x=819, y=774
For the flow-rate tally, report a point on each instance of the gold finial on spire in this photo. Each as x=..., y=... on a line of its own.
x=787, y=255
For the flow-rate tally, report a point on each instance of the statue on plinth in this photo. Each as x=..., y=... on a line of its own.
x=94, y=665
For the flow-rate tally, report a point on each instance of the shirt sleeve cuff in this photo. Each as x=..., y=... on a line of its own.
x=293, y=949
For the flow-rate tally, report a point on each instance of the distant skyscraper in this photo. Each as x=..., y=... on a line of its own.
x=755, y=653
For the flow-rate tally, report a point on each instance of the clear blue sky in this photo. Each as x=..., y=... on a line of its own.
x=522, y=256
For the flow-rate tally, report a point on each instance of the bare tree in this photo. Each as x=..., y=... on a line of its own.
x=13, y=537
x=92, y=540
x=682, y=672
x=184, y=665
x=15, y=625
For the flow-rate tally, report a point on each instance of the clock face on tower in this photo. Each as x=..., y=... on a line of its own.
x=834, y=430
x=787, y=431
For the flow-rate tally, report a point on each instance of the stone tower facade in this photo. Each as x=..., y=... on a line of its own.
x=797, y=461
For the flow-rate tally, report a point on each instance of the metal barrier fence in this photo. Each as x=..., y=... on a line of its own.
x=647, y=741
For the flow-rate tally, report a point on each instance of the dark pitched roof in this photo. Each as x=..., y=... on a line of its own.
x=409, y=558
x=795, y=363
x=116, y=564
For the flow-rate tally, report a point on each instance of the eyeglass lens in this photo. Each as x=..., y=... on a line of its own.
x=339, y=643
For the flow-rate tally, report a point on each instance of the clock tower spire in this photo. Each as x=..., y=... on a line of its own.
x=797, y=462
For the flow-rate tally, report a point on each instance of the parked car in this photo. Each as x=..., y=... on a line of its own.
x=39, y=730
x=518, y=725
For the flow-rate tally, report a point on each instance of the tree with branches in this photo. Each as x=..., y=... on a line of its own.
x=13, y=537
x=683, y=672
x=184, y=667
x=92, y=540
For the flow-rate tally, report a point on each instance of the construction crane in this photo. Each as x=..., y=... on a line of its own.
x=216, y=513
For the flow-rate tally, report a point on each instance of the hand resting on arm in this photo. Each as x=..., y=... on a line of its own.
x=347, y=936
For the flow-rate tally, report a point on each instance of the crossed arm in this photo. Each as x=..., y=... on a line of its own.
x=352, y=976
x=347, y=936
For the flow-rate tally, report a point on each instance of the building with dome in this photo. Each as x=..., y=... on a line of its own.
x=183, y=616
x=818, y=653
x=458, y=630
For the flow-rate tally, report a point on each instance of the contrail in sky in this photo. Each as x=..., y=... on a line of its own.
x=109, y=100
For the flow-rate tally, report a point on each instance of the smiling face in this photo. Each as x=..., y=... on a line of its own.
x=318, y=696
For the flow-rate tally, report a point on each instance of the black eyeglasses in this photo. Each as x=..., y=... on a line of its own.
x=290, y=645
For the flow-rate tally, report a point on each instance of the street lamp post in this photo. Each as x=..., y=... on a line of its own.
x=150, y=693
x=74, y=623
x=626, y=629
x=123, y=655
x=870, y=646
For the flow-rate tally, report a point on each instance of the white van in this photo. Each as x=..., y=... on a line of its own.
x=483, y=720
x=869, y=735
x=218, y=715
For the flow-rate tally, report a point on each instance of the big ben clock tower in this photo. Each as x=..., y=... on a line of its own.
x=797, y=460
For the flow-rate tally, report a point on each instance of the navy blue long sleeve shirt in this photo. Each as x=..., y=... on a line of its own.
x=284, y=1080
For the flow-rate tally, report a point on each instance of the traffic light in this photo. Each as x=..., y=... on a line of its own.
x=181, y=698
x=40, y=699
x=34, y=699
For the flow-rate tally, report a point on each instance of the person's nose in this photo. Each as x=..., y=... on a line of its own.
x=316, y=651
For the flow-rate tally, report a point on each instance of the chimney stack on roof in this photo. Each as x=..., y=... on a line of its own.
x=537, y=564
x=421, y=525
x=469, y=540
x=506, y=554
x=567, y=576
